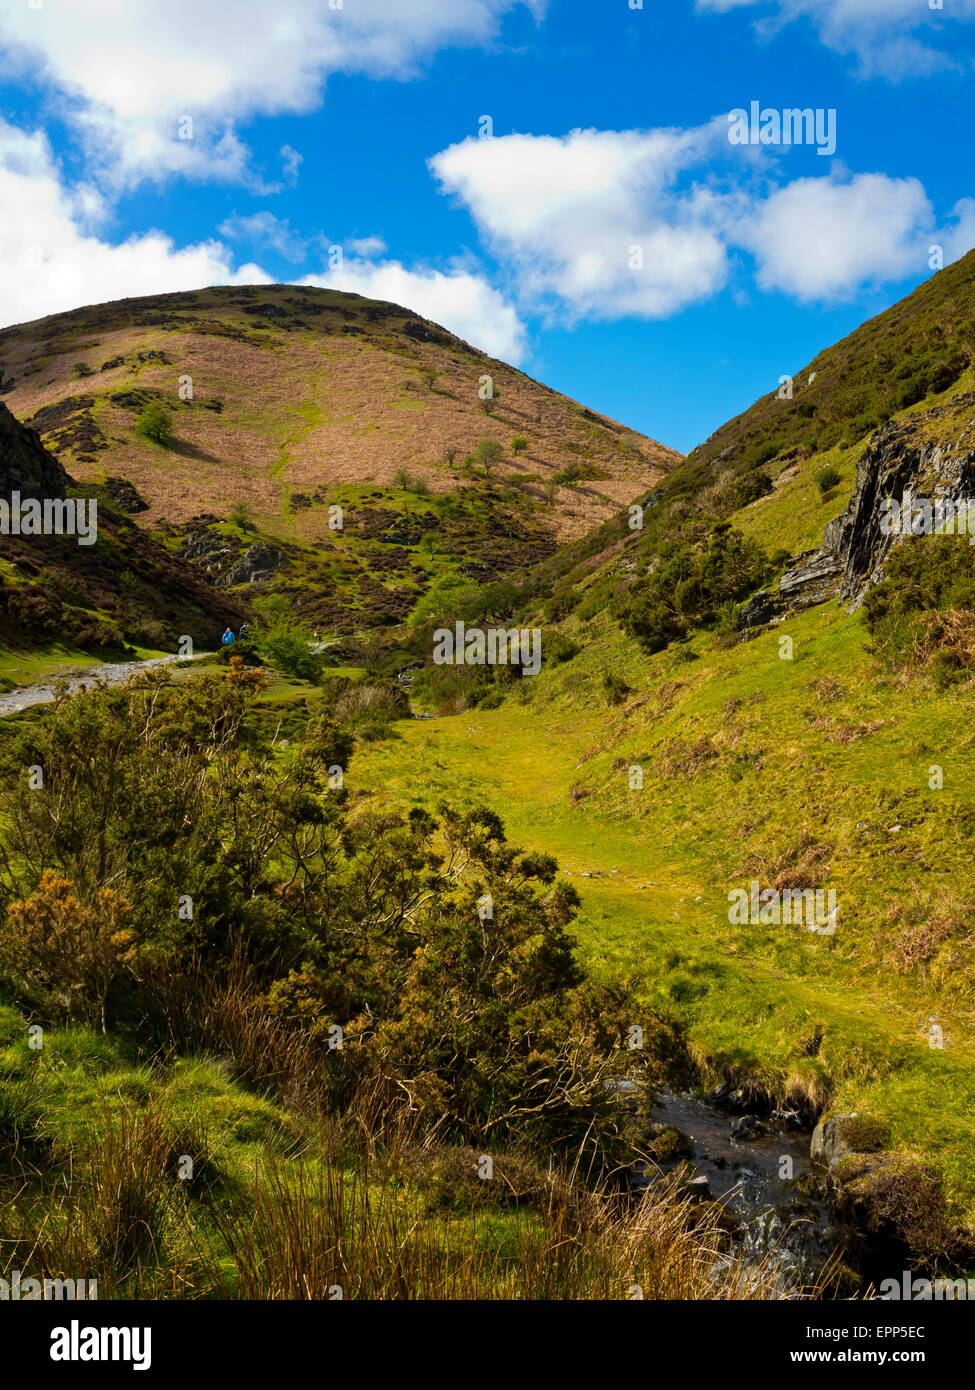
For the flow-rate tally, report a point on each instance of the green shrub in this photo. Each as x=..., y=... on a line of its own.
x=690, y=583
x=750, y=487
x=827, y=479
x=557, y=648
x=283, y=640
x=615, y=688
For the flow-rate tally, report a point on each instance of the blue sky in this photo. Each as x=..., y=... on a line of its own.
x=359, y=127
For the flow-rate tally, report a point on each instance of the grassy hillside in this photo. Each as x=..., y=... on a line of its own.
x=754, y=767
x=840, y=766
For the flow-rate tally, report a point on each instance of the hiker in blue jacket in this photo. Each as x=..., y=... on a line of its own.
x=227, y=637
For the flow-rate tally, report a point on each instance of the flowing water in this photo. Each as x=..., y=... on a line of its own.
x=767, y=1184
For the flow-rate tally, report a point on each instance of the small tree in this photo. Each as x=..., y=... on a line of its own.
x=519, y=444
x=489, y=404
x=282, y=639
x=488, y=452
x=569, y=476
x=428, y=378
x=827, y=480
x=155, y=423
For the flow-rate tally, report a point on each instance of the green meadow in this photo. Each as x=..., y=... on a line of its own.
x=751, y=764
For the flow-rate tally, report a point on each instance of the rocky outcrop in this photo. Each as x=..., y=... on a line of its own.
x=258, y=563
x=842, y=1135
x=901, y=457
x=811, y=578
x=25, y=465
x=912, y=455
x=828, y=1145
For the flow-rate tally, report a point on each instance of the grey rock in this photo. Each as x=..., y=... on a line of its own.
x=257, y=563
x=899, y=458
x=812, y=577
x=895, y=461
x=828, y=1145
x=25, y=465
x=745, y=1127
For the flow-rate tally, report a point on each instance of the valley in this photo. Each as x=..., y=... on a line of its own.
x=758, y=686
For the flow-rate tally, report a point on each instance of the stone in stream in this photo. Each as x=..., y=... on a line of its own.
x=698, y=1186
x=745, y=1127
x=668, y=1143
x=841, y=1135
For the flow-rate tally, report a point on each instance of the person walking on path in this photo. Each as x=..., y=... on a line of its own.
x=227, y=637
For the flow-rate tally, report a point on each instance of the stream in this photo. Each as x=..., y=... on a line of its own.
x=767, y=1184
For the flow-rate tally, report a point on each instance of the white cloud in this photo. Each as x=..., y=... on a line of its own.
x=891, y=38
x=459, y=299
x=823, y=239
x=568, y=214
x=368, y=246
x=266, y=230
x=128, y=72
x=562, y=214
x=49, y=263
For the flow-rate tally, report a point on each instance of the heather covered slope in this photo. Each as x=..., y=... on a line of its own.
x=304, y=400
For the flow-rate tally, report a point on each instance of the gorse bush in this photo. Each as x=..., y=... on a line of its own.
x=170, y=829
x=69, y=952
x=924, y=607
x=691, y=581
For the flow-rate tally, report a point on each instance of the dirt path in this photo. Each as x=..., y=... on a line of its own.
x=111, y=673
